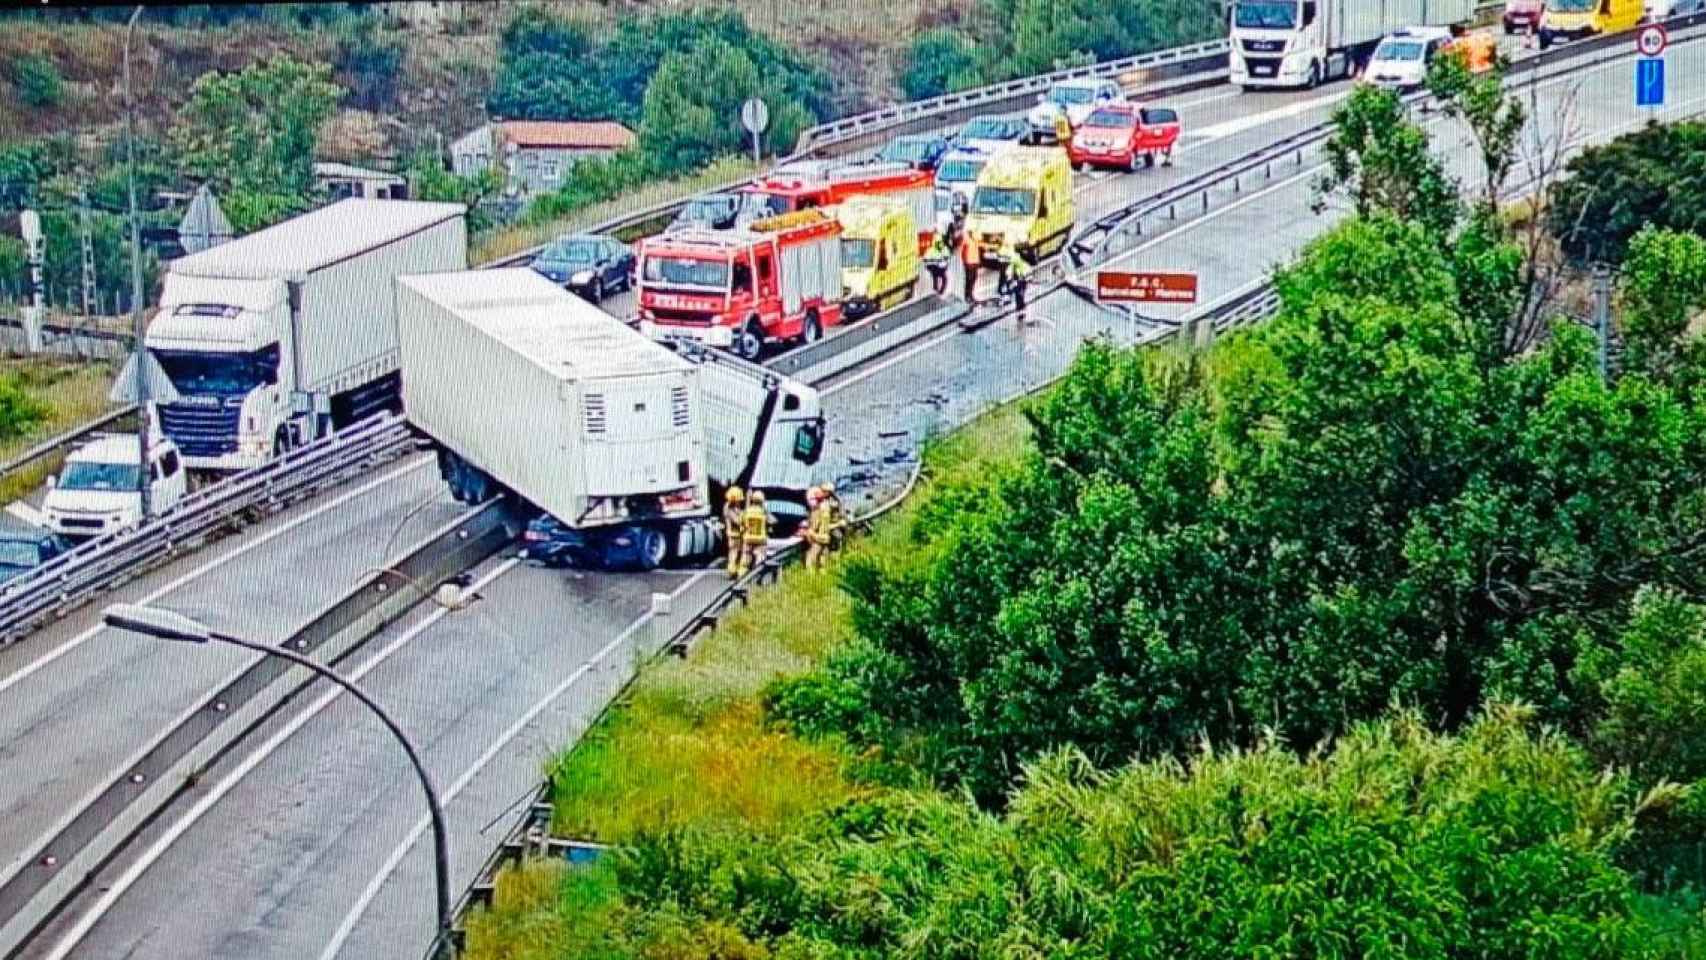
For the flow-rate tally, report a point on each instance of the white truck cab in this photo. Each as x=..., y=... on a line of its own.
x=96, y=491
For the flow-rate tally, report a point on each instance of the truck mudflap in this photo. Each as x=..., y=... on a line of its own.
x=634, y=546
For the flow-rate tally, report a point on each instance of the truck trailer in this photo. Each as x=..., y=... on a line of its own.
x=1301, y=43
x=277, y=338
x=622, y=444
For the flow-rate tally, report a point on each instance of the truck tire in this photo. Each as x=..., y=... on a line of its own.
x=654, y=548
x=813, y=331
x=749, y=343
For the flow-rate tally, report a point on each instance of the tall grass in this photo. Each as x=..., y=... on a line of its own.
x=72, y=392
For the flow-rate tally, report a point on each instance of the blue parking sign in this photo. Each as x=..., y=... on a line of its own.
x=1649, y=82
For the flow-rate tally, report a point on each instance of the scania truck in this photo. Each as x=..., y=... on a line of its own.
x=277, y=338
x=1301, y=43
x=623, y=444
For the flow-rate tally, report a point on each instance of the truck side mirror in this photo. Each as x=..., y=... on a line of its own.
x=808, y=442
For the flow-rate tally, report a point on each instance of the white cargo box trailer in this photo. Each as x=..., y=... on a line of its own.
x=273, y=339
x=552, y=398
x=1291, y=43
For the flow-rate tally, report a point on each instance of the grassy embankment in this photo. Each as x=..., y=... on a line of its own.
x=687, y=744
x=72, y=392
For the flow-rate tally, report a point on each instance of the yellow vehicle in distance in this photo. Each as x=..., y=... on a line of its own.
x=1575, y=19
x=879, y=255
x=1023, y=198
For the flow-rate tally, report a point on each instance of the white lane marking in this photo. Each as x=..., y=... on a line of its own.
x=271, y=535
x=1240, y=124
x=110, y=895
x=897, y=358
x=391, y=863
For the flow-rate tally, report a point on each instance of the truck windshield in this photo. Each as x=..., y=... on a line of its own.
x=1117, y=119
x=230, y=374
x=17, y=553
x=760, y=205
x=960, y=171
x=1011, y=201
x=92, y=475
x=687, y=272
x=1267, y=15
x=857, y=254
x=1400, y=50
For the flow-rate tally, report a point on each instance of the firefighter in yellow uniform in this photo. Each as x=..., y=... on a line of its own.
x=755, y=533
x=837, y=520
x=734, y=507
x=1062, y=129
x=818, y=528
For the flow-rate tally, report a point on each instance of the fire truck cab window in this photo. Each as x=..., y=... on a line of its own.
x=742, y=278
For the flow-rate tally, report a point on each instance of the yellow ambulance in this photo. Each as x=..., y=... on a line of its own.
x=879, y=255
x=1023, y=198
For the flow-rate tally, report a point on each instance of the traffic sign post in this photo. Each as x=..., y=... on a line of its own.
x=1651, y=41
x=755, y=116
x=1126, y=286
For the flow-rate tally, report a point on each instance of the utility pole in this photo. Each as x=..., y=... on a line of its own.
x=136, y=279
x=88, y=254
x=1602, y=316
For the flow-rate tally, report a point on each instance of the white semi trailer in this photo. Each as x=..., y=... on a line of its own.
x=1301, y=43
x=275, y=339
x=624, y=444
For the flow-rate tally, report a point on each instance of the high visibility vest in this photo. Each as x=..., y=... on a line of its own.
x=969, y=252
x=1017, y=264
x=822, y=521
x=732, y=516
x=1062, y=128
x=938, y=248
x=757, y=525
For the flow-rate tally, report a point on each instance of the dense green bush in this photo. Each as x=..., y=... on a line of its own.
x=18, y=410
x=1356, y=503
x=1393, y=842
x=1655, y=176
x=37, y=81
x=940, y=61
x=373, y=59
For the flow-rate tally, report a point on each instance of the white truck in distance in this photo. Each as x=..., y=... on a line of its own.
x=1300, y=43
x=96, y=494
x=277, y=338
x=624, y=444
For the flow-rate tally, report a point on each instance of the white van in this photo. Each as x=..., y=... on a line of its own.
x=1402, y=60
x=96, y=492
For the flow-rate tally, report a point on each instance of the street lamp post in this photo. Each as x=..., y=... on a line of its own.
x=167, y=625
x=136, y=278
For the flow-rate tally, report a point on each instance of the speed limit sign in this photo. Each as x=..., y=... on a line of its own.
x=1652, y=40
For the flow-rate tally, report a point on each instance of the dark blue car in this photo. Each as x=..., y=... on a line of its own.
x=920, y=151
x=25, y=546
x=591, y=265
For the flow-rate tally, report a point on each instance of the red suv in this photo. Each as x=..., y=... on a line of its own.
x=1118, y=134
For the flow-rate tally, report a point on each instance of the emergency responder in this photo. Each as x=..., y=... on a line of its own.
x=1016, y=275
x=818, y=528
x=734, y=506
x=755, y=532
x=970, y=258
x=837, y=520
x=936, y=261
x=1062, y=128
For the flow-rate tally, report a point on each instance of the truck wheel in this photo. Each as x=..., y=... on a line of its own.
x=653, y=548
x=814, y=328
x=749, y=343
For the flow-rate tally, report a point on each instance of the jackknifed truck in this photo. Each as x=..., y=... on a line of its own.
x=625, y=446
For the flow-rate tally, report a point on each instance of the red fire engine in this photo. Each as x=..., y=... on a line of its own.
x=808, y=184
x=778, y=279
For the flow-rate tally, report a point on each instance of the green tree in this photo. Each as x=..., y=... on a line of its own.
x=1648, y=689
x=430, y=180
x=1664, y=286
x=1381, y=159
x=252, y=135
x=1494, y=118
x=373, y=59
x=19, y=411
x=37, y=81
x=549, y=70
x=1655, y=176
x=692, y=107
x=939, y=61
